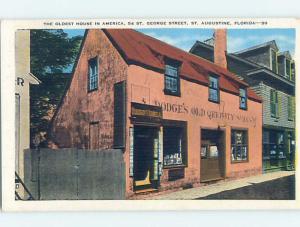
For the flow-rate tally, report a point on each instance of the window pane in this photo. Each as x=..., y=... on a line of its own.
x=239, y=145
x=171, y=83
x=171, y=71
x=213, y=82
x=243, y=103
x=288, y=67
x=213, y=95
x=243, y=92
x=93, y=74
x=172, y=149
x=274, y=61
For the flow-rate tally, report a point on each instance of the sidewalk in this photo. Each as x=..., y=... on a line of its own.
x=203, y=191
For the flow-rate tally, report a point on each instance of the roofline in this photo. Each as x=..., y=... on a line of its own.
x=133, y=62
x=275, y=75
x=70, y=81
x=257, y=47
x=286, y=53
x=128, y=62
x=33, y=79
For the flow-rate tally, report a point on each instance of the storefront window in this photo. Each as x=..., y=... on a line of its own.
x=239, y=145
x=173, y=146
x=274, y=149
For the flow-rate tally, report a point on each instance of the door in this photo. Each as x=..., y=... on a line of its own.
x=145, y=157
x=212, y=166
x=94, y=136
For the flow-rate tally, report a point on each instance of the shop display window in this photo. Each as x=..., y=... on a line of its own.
x=173, y=146
x=239, y=145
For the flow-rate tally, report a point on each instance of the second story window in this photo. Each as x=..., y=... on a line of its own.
x=293, y=71
x=172, y=82
x=93, y=75
x=274, y=61
x=274, y=103
x=243, y=98
x=214, y=92
x=288, y=68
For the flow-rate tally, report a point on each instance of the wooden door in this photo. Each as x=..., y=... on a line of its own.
x=212, y=166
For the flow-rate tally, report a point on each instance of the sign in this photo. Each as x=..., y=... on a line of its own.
x=20, y=81
x=146, y=112
x=183, y=109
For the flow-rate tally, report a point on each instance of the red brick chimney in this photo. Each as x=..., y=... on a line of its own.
x=220, y=47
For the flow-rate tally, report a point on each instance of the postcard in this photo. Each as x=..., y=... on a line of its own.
x=149, y=114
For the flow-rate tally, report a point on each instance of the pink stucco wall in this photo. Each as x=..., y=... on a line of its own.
x=80, y=107
x=146, y=86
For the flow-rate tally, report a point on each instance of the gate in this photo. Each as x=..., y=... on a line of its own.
x=74, y=174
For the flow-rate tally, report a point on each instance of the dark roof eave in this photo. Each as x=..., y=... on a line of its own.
x=274, y=75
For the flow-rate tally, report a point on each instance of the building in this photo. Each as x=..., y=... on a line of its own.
x=179, y=119
x=23, y=80
x=271, y=74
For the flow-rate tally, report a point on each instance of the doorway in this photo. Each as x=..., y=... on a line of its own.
x=212, y=166
x=94, y=135
x=145, y=157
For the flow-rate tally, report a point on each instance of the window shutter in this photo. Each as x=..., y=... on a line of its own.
x=272, y=103
x=279, y=104
x=293, y=108
x=131, y=151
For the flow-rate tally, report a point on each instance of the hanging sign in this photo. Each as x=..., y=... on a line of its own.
x=146, y=112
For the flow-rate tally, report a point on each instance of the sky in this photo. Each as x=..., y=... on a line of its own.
x=237, y=39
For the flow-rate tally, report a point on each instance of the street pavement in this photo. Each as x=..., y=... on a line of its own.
x=275, y=185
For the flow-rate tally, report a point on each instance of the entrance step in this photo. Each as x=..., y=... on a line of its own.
x=212, y=180
x=146, y=191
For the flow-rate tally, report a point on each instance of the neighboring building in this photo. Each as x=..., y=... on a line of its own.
x=179, y=119
x=22, y=100
x=271, y=74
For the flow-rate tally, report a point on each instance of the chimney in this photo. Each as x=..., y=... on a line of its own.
x=220, y=47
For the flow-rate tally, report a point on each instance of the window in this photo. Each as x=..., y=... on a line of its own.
x=239, y=145
x=174, y=146
x=93, y=75
x=171, y=80
x=290, y=108
x=292, y=71
x=288, y=68
x=274, y=103
x=214, y=93
x=243, y=98
x=274, y=60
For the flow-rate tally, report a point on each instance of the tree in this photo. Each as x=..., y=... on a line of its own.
x=52, y=54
